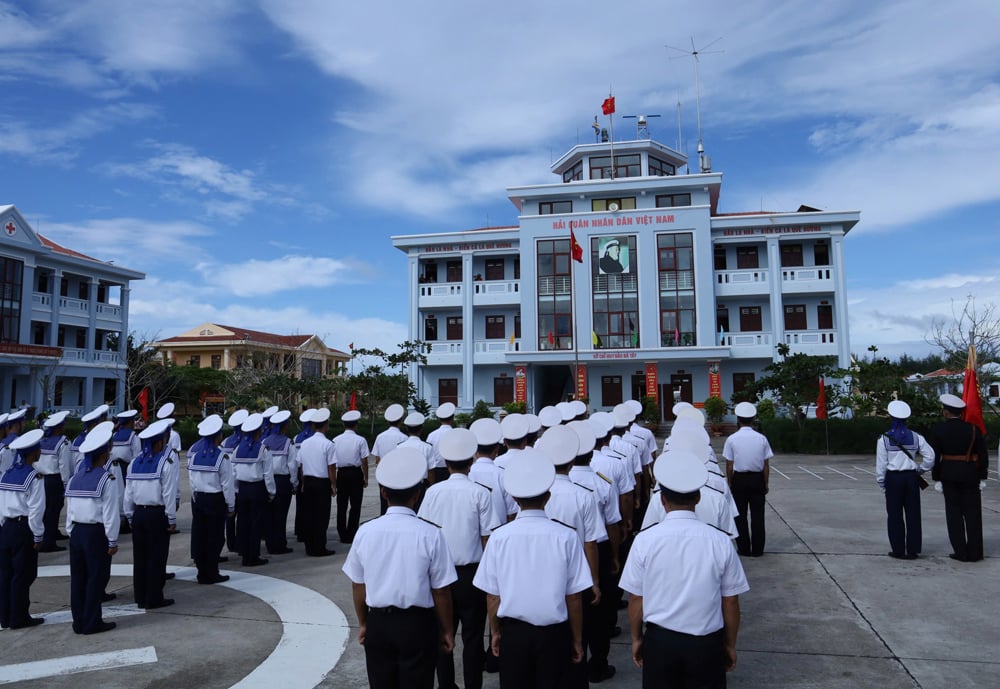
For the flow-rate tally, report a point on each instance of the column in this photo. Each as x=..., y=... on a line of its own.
x=92, y=319
x=777, y=304
x=56, y=280
x=123, y=333
x=840, y=302
x=27, y=307
x=467, y=390
x=225, y=359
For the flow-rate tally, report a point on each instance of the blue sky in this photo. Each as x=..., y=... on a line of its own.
x=253, y=158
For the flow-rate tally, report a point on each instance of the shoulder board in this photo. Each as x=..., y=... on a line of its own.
x=714, y=488
x=429, y=522
x=656, y=490
x=647, y=527
x=483, y=485
x=37, y=475
x=615, y=454
x=603, y=476
x=718, y=529
x=717, y=473
x=589, y=490
x=563, y=523
x=111, y=477
x=501, y=526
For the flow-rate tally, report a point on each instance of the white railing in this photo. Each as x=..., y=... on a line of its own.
x=745, y=339
x=110, y=310
x=497, y=346
x=451, y=289
x=497, y=287
x=809, y=337
x=106, y=357
x=73, y=354
x=806, y=274
x=626, y=282
x=451, y=347
x=672, y=281
x=41, y=299
x=549, y=285
x=67, y=304
x=84, y=355
x=740, y=277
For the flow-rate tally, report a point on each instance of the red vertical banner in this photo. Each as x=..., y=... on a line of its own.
x=581, y=381
x=652, y=384
x=714, y=379
x=521, y=384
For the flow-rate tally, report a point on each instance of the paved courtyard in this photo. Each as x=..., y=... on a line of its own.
x=827, y=607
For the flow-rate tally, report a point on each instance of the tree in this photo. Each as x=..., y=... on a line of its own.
x=870, y=384
x=972, y=324
x=143, y=369
x=384, y=378
x=793, y=382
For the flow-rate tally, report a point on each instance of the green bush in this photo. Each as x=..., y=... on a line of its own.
x=462, y=420
x=650, y=411
x=515, y=407
x=481, y=411
x=715, y=408
x=765, y=409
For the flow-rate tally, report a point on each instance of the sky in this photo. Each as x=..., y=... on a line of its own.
x=253, y=157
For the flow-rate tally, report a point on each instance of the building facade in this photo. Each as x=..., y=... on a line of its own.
x=63, y=323
x=620, y=281
x=225, y=347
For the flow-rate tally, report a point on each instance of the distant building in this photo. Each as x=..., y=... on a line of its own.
x=63, y=323
x=672, y=299
x=225, y=348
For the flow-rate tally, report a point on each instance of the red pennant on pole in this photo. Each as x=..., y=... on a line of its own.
x=354, y=400
x=970, y=393
x=821, y=400
x=576, y=248
x=144, y=403
x=608, y=106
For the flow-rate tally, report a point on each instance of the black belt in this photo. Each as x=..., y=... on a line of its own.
x=513, y=621
x=471, y=565
x=749, y=472
x=902, y=471
x=22, y=518
x=149, y=507
x=201, y=492
x=350, y=466
x=88, y=524
x=393, y=610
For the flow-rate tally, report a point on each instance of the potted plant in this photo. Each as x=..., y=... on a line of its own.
x=715, y=408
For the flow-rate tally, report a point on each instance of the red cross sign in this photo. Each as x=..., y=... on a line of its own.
x=10, y=228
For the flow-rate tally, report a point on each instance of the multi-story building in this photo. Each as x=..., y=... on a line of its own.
x=226, y=348
x=668, y=298
x=62, y=320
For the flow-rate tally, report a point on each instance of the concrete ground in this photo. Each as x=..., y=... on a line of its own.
x=827, y=608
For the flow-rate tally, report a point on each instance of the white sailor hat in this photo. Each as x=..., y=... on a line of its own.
x=680, y=405
x=307, y=415
x=686, y=428
x=237, y=418
x=445, y=411
x=56, y=419
x=487, y=431
x=281, y=416
x=635, y=406
x=93, y=415
x=253, y=422
x=746, y=410
x=401, y=468
x=27, y=441
x=528, y=475
x=16, y=415
x=350, y=416
x=577, y=407
x=458, y=445
x=898, y=409
x=693, y=414
x=549, y=416
x=321, y=415
x=559, y=445
x=165, y=411
x=3, y=419
x=566, y=411
x=585, y=435
x=514, y=427
x=155, y=429
x=623, y=416
x=949, y=400
x=691, y=441
x=98, y=437
x=414, y=419
x=602, y=423
x=394, y=412
x=210, y=426
x=679, y=471
x=127, y=414
x=270, y=411
x=534, y=423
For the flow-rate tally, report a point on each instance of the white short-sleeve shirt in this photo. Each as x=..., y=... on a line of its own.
x=747, y=450
x=463, y=511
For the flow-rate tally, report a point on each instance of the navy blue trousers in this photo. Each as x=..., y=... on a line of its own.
x=150, y=546
x=251, y=508
x=55, y=492
x=18, y=570
x=902, y=509
x=89, y=567
x=208, y=533
x=276, y=535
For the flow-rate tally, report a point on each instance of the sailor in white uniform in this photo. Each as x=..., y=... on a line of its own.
x=22, y=506
x=388, y=440
x=213, y=498
x=56, y=470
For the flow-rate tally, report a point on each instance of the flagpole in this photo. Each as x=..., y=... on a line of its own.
x=611, y=124
x=572, y=298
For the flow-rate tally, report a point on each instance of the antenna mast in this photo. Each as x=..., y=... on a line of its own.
x=704, y=161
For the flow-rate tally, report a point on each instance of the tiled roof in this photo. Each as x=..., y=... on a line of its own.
x=240, y=334
x=63, y=250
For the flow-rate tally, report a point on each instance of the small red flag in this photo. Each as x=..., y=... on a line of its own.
x=144, y=403
x=970, y=393
x=821, y=400
x=576, y=248
x=354, y=400
x=552, y=339
x=608, y=106
x=351, y=345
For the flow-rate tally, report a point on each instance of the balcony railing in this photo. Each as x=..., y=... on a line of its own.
x=740, y=277
x=109, y=310
x=672, y=281
x=497, y=287
x=72, y=354
x=553, y=284
x=449, y=289
x=67, y=304
x=806, y=274
x=745, y=339
x=41, y=299
x=809, y=337
x=449, y=347
x=497, y=346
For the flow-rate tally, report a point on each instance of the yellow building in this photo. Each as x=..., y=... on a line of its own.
x=227, y=348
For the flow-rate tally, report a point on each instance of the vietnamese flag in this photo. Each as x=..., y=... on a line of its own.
x=552, y=339
x=821, y=400
x=970, y=393
x=354, y=400
x=575, y=247
x=608, y=106
x=144, y=403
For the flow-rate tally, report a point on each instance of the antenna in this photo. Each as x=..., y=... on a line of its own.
x=704, y=162
x=641, y=125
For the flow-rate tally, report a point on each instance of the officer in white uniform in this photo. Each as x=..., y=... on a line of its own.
x=486, y=473
x=174, y=443
x=319, y=484
x=15, y=426
x=536, y=621
x=463, y=511
x=898, y=474
x=413, y=424
x=56, y=470
x=305, y=419
x=515, y=438
x=612, y=465
x=229, y=445
x=748, y=468
x=534, y=429
x=401, y=572
x=150, y=508
x=125, y=445
x=351, y=451
x=446, y=415
x=579, y=409
x=684, y=578
x=284, y=463
x=92, y=522
x=255, y=487
x=90, y=420
x=549, y=417
x=213, y=498
x=388, y=440
x=22, y=506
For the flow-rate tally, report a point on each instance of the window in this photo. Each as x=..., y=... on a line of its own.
x=496, y=328
x=795, y=317
x=553, y=207
x=64, y=287
x=494, y=269
x=195, y=361
x=625, y=204
x=42, y=282
x=453, y=271
x=741, y=381
x=517, y=326
x=673, y=200
x=791, y=255
x=746, y=258
x=821, y=254
x=722, y=320
x=448, y=390
x=611, y=390
x=11, y=275
x=454, y=328
x=430, y=328
x=555, y=305
x=675, y=264
x=574, y=173
x=625, y=166
x=720, y=258
x=517, y=268
x=312, y=368
x=750, y=320
x=503, y=391
x=615, y=294
x=824, y=317
x=38, y=334
x=430, y=272
x=216, y=361
x=661, y=168
x=102, y=293
x=81, y=338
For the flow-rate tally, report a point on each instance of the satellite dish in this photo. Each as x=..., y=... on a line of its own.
x=612, y=206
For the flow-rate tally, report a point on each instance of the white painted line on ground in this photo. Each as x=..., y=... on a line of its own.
x=809, y=472
x=841, y=473
x=779, y=471
x=57, y=667
x=864, y=470
x=314, y=635
x=66, y=616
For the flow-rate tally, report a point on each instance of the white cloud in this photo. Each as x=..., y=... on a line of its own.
x=262, y=277
x=135, y=243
